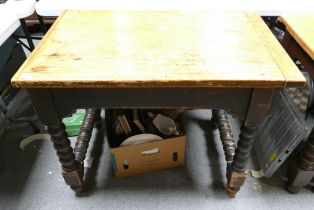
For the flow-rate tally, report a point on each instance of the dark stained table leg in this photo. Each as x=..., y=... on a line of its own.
x=47, y=112
x=72, y=174
x=84, y=136
x=301, y=167
x=237, y=172
x=260, y=106
x=220, y=121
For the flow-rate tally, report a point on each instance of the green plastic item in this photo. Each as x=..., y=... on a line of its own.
x=73, y=123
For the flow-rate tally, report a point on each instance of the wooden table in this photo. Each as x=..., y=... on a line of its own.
x=299, y=44
x=150, y=59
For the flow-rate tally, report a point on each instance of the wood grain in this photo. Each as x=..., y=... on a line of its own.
x=279, y=55
x=301, y=29
x=157, y=49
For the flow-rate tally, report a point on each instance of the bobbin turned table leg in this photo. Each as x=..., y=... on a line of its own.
x=72, y=174
x=236, y=174
x=220, y=121
x=85, y=134
x=73, y=163
x=258, y=110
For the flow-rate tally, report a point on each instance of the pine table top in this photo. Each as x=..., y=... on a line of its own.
x=113, y=49
x=301, y=28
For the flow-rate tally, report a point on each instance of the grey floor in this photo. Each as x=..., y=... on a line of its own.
x=31, y=179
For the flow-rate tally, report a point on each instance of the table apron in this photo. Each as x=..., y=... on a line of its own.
x=64, y=100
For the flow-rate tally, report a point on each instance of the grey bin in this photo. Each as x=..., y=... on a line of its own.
x=281, y=133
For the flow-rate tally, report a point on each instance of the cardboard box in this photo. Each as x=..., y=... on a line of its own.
x=148, y=157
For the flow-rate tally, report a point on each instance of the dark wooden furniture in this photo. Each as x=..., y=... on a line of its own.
x=119, y=59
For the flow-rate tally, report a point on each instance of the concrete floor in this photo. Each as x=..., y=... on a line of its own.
x=31, y=179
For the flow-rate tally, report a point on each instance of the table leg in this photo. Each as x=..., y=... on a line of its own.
x=301, y=167
x=72, y=171
x=236, y=174
x=220, y=121
x=85, y=134
x=259, y=108
x=72, y=174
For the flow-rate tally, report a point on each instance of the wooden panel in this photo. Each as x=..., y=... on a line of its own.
x=260, y=106
x=155, y=49
x=301, y=29
x=236, y=100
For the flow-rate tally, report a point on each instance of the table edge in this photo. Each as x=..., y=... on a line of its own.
x=277, y=52
x=300, y=81
x=296, y=36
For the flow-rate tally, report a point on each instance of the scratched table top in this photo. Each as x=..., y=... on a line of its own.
x=301, y=29
x=158, y=49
